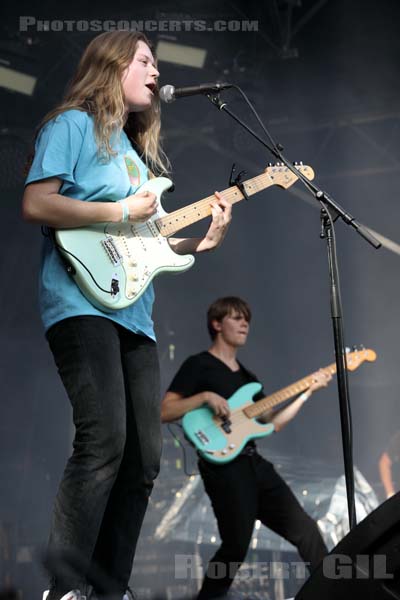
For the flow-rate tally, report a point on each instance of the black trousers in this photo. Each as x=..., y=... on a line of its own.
x=246, y=489
x=112, y=379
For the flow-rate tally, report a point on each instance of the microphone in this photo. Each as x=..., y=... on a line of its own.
x=169, y=93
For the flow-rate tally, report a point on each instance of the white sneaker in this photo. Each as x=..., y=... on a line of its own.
x=125, y=597
x=72, y=595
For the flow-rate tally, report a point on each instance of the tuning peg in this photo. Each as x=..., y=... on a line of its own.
x=355, y=348
x=347, y=350
x=270, y=164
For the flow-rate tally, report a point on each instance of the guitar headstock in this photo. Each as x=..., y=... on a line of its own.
x=355, y=358
x=283, y=177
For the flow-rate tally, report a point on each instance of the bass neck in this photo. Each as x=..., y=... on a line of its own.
x=353, y=361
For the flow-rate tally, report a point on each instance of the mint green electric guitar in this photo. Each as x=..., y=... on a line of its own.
x=113, y=263
x=220, y=440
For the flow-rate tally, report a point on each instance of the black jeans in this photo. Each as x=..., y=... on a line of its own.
x=246, y=489
x=112, y=379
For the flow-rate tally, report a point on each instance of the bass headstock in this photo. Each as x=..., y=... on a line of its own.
x=359, y=355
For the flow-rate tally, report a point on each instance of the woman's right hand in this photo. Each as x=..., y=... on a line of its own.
x=141, y=206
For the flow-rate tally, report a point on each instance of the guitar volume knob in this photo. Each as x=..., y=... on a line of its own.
x=131, y=292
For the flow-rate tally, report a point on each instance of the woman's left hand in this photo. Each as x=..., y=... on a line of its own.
x=221, y=211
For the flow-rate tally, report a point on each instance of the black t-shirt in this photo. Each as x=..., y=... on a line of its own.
x=205, y=372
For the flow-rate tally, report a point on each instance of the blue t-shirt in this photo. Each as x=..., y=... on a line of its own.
x=66, y=148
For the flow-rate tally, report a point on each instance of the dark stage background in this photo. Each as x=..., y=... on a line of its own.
x=324, y=76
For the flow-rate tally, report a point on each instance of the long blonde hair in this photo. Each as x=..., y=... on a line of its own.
x=97, y=89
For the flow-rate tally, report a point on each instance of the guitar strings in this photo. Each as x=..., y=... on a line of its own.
x=198, y=208
x=253, y=184
x=238, y=416
x=195, y=210
x=231, y=194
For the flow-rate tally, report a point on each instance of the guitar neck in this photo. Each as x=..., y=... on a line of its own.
x=181, y=218
x=265, y=404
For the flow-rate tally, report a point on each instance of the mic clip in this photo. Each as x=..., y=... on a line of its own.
x=237, y=181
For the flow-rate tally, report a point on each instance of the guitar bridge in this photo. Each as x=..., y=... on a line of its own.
x=201, y=436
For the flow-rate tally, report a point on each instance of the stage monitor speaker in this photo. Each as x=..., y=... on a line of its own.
x=365, y=564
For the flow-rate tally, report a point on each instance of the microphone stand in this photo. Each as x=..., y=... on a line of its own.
x=330, y=211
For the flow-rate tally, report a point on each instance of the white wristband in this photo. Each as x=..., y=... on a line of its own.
x=125, y=210
x=304, y=397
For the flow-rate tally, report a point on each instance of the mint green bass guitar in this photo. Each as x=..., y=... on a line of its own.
x=220, y=440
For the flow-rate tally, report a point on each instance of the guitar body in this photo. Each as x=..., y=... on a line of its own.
x=122, y=258
x=215, y=439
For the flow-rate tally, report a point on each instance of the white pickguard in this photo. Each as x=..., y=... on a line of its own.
x=130, y=254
